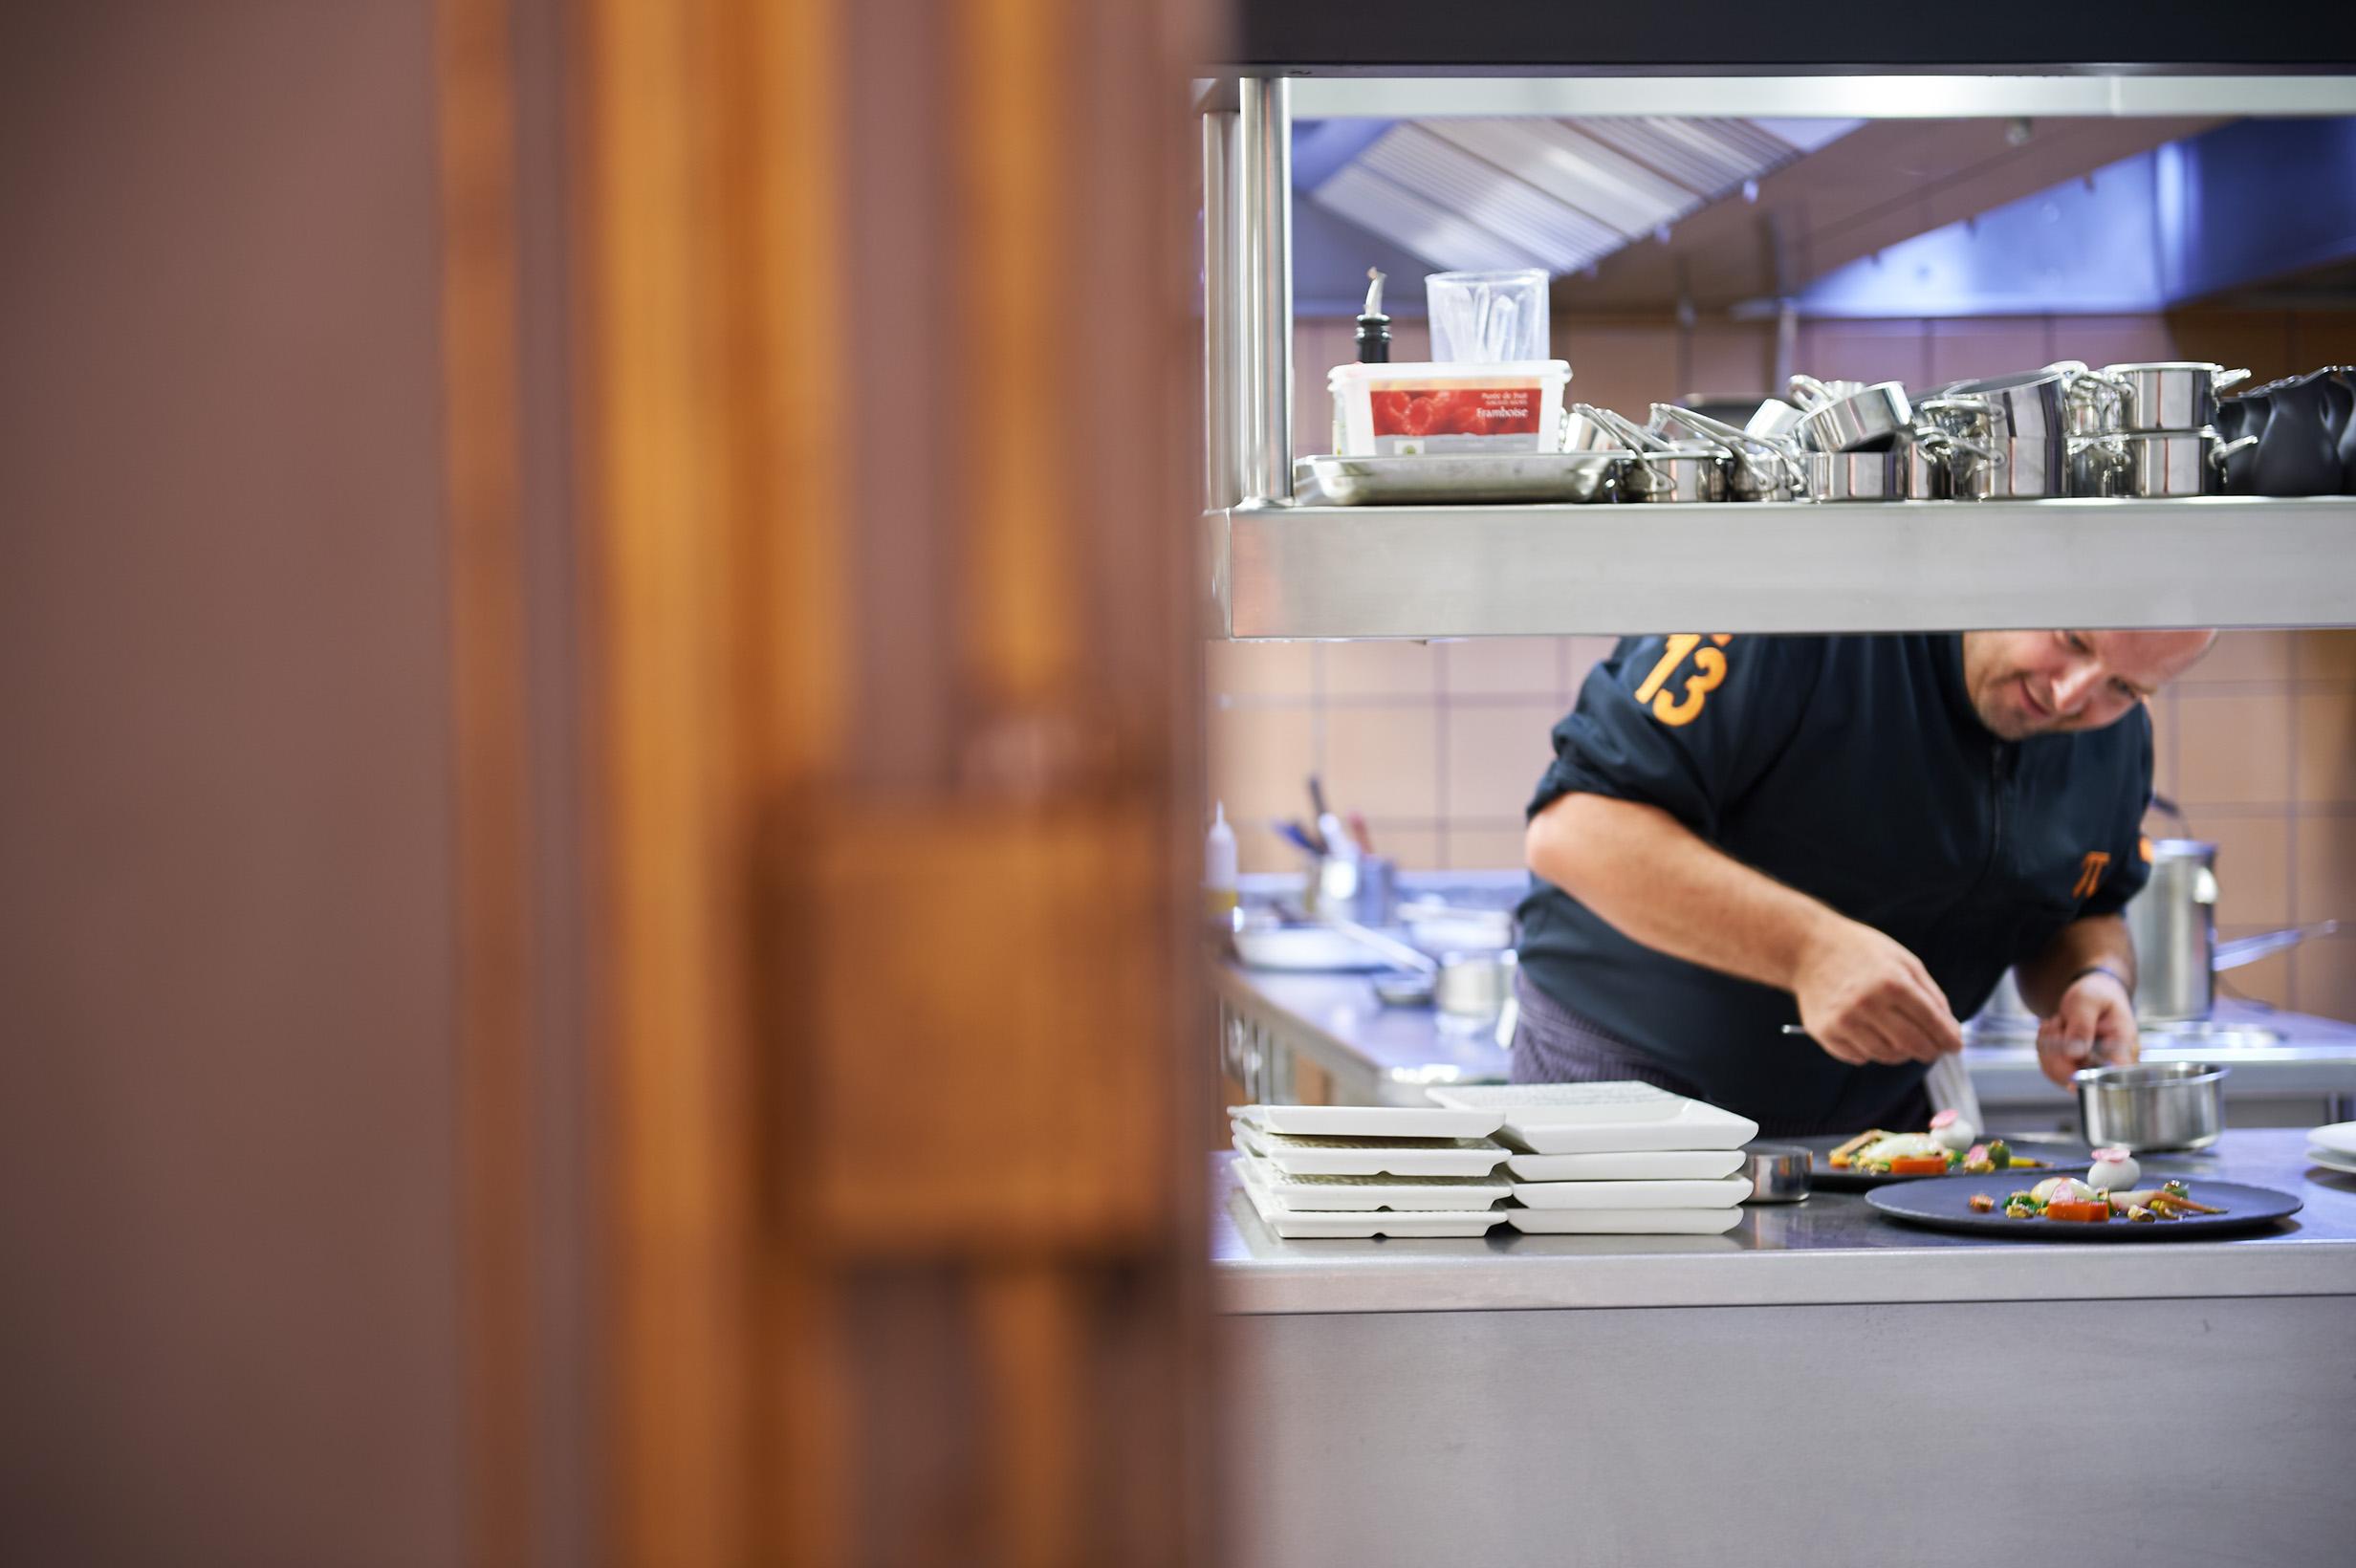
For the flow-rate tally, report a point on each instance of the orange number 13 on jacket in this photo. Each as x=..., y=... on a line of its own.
x=1709, y=670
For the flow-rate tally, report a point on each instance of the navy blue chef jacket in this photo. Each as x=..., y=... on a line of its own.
x=1855, y=769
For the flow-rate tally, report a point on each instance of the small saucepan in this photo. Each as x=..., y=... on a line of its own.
x=2151, y=1106
x=1873, y=417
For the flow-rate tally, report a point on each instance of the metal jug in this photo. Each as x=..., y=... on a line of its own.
x=2173, y=922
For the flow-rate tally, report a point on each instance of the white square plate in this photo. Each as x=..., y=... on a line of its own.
x=1637, y=1165
x=1341, y=1193
x=2332, y=1160
x=1624, y=1222
x=1718, y=1194
x=1292, y=1226
x=2340, y=1138
x=1372, y=1156
x=1602, y=1117
x=1370, y=1121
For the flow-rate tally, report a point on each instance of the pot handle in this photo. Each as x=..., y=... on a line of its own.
x=2224, y=450
x=2224, y=379
x=1815, y=391
x=1390, y=947
x=2249, y=949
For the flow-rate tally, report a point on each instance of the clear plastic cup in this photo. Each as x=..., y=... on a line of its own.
x=1488, y=317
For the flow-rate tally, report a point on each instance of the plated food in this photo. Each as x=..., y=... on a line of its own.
x=1951, y=1147
x=2069, y=1200
x=2210, y=1208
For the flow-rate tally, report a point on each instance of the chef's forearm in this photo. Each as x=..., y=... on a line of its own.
x=2095, y=941
x=1659, y=883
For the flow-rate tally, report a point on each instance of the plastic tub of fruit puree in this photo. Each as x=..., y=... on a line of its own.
x=1409, y=409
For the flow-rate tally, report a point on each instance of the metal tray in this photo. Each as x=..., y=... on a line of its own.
x=1457, y=478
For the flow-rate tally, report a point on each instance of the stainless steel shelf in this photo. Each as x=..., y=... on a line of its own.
x=1425, y=572
x=1993, y=95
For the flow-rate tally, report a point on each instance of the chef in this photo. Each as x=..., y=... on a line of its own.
x=1857, y=833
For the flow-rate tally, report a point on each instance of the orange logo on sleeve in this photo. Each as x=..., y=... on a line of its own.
x=1709, y=670
x=2090, y=873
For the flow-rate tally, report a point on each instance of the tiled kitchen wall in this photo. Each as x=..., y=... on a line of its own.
x=1440, y=744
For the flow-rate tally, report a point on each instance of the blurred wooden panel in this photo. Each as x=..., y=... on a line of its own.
x=900, y=777
x=979, y=1077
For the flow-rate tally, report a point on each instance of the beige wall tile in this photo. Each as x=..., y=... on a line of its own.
x=1485, y=848
x=1502, y=666
x=2322, y=338
x=2162, y=711
x=1259, y=760
x=1415, y=848
x=1383, y=761
x=1729, y=361
x=1495, y=756
x=2327, y=879
x=2254, y=870
x=1587, y=652
x=2232, y=749
x=2326, y=971
x=1622, y=366
x=1866, y=351
x=2112, y=339
x=2328, y=654
x=2243, y=656
x=2268, y=980
x=2257, y=340
x=1379, y=669
x=2326, y=746
x=1968, y=349
x=1259, y=669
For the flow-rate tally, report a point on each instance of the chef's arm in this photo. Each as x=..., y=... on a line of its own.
x=1861, y=996
x=2095, y=942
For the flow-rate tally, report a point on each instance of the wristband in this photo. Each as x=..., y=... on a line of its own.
x=2124, y=984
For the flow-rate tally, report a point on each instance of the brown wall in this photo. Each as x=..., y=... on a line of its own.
x=227, y=1329
x=1441, y=743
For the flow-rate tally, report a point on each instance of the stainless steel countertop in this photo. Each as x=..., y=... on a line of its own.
x=1389, y=1053
x=1387, y=1056
x=1831, y=1249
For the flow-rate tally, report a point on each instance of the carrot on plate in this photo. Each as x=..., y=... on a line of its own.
x=2097, y=1212
x=1918, y=1164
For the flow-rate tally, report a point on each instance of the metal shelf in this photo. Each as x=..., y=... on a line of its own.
x=1426, y=571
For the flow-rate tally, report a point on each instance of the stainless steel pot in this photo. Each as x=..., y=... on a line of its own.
x=1584, y=432
x=1468, y=985
x=2093, y=401
x=2170, y=393
x=1673, y=476
x=1764, y=469
x=1873, y=417
x=1774, y=421
x=1860, y=476
x=2150, y=464
x=2173, y=923
x=2029, y=426
x=1664, y=471
x=2151, y=1106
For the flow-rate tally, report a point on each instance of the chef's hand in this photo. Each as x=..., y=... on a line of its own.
x=2094, y=1023
x=1865, y=998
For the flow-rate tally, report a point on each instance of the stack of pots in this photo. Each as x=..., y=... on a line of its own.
x=1869, y=442
x=2149, y=429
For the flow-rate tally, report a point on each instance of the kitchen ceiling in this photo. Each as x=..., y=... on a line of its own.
x=1473, y=194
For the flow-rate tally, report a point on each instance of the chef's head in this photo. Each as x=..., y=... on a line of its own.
x=2027, y=684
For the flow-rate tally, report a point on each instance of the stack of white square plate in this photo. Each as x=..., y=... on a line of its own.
x=1621, y=1158
x=2334, y=1147
x=1370, y=1170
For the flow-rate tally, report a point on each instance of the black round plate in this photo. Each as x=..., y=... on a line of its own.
x=1946, y=1205
x=2061, y=1160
